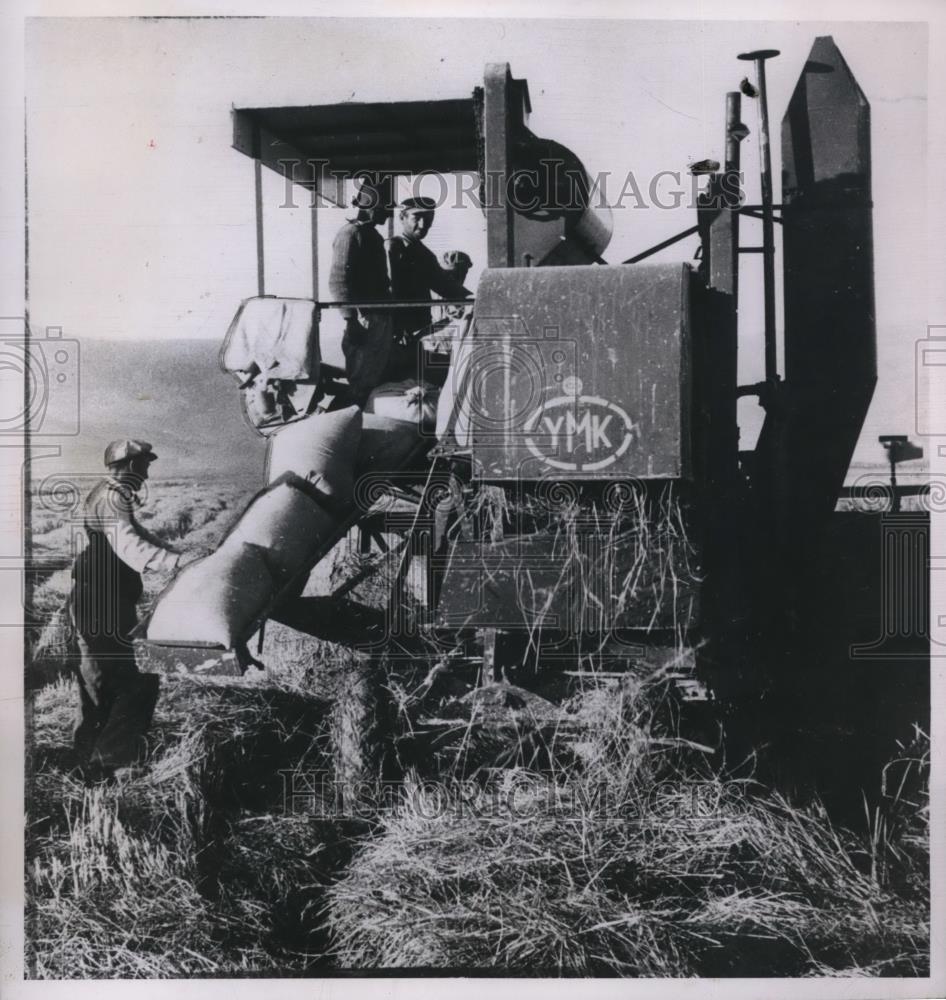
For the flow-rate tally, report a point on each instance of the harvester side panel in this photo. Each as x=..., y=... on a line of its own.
x=581, y=373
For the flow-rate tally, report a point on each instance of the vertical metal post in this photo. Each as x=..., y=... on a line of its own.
x=258, y=183
x=395, y=197
x=723, y=263
x=314, y=240
x=718, y=220
x=768, y=227
x=768, y=230
x=733, y=136
x=894, y=496
x=716, y=423
x=497, y=83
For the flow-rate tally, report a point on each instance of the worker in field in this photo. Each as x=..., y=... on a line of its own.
x=115, y=701
x=360, y=274
x=415, y=274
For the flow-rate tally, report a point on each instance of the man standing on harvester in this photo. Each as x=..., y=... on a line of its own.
x=116, y=701
x=360, y=274
x=415, y=273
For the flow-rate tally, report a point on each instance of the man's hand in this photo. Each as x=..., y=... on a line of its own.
x=457, y=264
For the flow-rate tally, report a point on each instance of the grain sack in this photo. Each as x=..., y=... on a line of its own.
x=214, y=601
x=385, y=444
x=320, y=449
x=288, y=525
x=408, y=401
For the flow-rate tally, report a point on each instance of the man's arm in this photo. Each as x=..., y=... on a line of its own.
x=113, y=512
x=443, y=282
x=416, y=272
x=141, y=550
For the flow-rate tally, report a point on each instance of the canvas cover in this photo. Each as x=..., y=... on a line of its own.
x=276, y=336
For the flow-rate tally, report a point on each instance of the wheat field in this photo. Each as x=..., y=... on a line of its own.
x=601, y=840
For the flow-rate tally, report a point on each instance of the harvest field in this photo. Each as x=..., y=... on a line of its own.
x=612, y=842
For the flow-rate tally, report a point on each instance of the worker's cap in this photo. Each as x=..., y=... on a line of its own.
x=375, y=192
x=128, y=448
x=418, y=205
x=457, y=258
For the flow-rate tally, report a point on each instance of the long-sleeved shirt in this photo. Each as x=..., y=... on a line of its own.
x=110, y=510
x=106, y=575
x=415, y=273
x=359, y=270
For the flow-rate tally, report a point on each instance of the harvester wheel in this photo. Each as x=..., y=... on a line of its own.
x=359, y=724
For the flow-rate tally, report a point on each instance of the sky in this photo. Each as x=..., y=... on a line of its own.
x=141, y=218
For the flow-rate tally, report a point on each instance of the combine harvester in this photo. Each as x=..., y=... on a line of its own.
x=582, y=508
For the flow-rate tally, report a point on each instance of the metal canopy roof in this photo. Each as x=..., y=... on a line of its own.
x=402, y=137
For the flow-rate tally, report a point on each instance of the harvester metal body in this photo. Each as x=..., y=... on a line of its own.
x=600, y=400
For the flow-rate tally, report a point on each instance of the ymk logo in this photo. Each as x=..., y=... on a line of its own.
x=579, y=433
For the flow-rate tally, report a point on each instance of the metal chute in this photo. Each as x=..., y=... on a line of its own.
x=830, y=336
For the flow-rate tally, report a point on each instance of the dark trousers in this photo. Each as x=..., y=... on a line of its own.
x=366, y=345
x=116, y=702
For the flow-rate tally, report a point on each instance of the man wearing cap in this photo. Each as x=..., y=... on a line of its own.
x=415, y=273
x=116, y=701
x=359, y=273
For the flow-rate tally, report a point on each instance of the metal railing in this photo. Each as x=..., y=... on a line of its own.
x=394, y=304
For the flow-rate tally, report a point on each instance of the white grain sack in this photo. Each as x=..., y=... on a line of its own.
x=287, y=524
x=321, y=449
x=214, y=601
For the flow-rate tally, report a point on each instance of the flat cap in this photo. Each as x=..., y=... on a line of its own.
x=418, y=204
x=125, y=448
